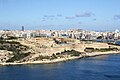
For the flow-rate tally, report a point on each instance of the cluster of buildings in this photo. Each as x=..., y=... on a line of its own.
x=74, y=33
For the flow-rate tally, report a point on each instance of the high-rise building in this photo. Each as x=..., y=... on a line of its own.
x=22, y=28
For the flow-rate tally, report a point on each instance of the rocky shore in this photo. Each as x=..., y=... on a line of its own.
x=63, y=59
x=50, y=50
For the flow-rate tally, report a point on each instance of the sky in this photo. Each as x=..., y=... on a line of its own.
x=99, y=15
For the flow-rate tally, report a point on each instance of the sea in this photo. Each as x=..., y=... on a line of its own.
x=105, y=67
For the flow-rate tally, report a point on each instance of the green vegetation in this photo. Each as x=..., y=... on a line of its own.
x=53, y=56
x=100, y=50
x=11, y=37
x=17, y=49
x=105, y=49
x=89, y=49
x=99, y=37
x=113, y=44
x=42, y=57
x=18, y=56
x=8, y=38
x=61, y=55
x=1, y=38
x=70, y=52
x=10, y=42
x=74, y=53
x=12, y=46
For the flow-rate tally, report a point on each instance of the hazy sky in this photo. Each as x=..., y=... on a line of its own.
x=60, y=14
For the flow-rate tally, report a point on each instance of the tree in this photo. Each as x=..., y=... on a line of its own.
x=99, y=37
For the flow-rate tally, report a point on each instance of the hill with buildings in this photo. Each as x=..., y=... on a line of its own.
x=18, y=47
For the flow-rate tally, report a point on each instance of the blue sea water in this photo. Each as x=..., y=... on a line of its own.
x=117, y=42
x=105, y=67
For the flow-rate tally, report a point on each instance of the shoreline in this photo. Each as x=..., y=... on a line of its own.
x=93, y=54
